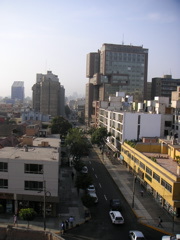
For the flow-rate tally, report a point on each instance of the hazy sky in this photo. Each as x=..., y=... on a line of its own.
x=56, y=35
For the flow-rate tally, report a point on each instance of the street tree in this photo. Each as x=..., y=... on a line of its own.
x=76, y=143
x=99, y=136
x=60, y=125
x=88, y=201
x=83, y=181
x=27, y=214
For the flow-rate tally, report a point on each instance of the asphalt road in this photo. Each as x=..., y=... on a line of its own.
x=100, y=225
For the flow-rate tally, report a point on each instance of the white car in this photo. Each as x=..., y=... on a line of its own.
x=116, y=217
x=176, y=237
x=93, y=195
x=136, y=235
x=91, y=188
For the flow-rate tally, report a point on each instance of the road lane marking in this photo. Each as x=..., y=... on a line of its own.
x=100, y=185
x=105, y=197
x=96, y=176
x=93, y=169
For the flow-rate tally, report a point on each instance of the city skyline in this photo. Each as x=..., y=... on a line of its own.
x=38, y=36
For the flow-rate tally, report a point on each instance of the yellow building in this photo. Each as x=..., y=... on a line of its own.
x=157, y=170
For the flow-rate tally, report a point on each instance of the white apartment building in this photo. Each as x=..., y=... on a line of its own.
x=129, y=125
x=175, y=103
x=29, y=172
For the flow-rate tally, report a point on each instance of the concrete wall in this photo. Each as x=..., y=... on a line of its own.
x=150, y=125
x=28, y=234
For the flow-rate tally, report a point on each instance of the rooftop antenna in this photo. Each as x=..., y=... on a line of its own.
x=123, y=39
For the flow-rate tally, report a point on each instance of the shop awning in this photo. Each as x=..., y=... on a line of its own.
x=112, y=147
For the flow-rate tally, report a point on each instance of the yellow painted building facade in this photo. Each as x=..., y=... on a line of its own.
x=157, y=171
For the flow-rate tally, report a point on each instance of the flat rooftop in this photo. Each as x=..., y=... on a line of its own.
x=33, y=153
x=36, y=152
x=164, y=161
x=53, y=142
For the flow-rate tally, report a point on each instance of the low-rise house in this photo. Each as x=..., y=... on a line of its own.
x=28, y=173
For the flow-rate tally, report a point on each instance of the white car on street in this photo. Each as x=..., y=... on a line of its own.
x=116, y=217
x=136, y=235
x=94, y=196
x=91, y=188
x=176, y=237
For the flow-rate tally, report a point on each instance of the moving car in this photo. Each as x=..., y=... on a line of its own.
x=93, y=195
x=116, y=217
x=176, y=237
x=91, y=188
x=115, y=204
x=136, y=235
x=84, y=169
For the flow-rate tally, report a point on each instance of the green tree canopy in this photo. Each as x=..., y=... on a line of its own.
x=77, y=143
x=99, y=136
x=27, y=214
x=88, y=201
x=91, y=130
x=83, y=181
x=60, y=125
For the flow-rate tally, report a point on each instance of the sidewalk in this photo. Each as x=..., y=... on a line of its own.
x=145, y=207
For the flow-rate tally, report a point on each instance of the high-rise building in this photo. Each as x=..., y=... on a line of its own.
x=48, y=95
x=163, y=86
x=17, y=91
x=116, y=68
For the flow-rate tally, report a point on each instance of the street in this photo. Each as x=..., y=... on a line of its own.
x=100, y=225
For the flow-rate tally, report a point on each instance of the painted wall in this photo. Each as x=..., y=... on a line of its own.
x=150, y=125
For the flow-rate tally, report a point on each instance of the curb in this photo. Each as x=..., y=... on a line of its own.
x=77, y=225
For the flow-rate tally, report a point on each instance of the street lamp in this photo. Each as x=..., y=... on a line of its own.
x=44, y=203
x=134, y=181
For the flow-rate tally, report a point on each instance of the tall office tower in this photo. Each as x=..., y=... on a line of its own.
x=116, y=68
x=62, y=101
x=17, y=91
x=163, y=87
x=48, y=94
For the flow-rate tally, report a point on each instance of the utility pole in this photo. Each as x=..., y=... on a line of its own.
x=44, y=213
x=134, y=180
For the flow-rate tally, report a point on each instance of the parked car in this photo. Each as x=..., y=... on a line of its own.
x=176, y=237
x=116, y=217
x=93, y=195
x=136, y=235
x=84, y=169
x=115, y=204
x=91, y=188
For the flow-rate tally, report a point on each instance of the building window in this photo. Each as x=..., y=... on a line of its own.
x=166, y=185
x=3, y=167
x=33, y=168
x=3, y=183
x=148, y=177
x=142, y=165
x=156, y=177
x=33, y=185
x=149, y=171
x=168, y=123
x=136, y=161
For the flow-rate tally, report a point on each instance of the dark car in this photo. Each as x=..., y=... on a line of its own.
x=115, y=204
